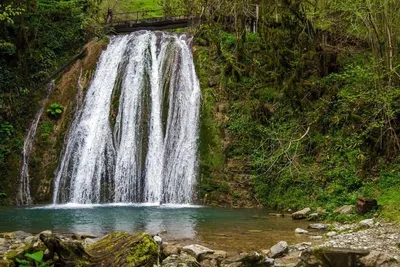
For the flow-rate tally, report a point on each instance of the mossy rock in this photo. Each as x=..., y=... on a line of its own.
x=123, y=249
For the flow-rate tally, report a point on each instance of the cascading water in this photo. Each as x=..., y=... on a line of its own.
x=24, y=192
x=135, y=137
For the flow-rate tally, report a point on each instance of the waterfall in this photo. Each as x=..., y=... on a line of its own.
x=24, y=192
x=135, y=137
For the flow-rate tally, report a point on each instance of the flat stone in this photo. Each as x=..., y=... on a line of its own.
x=367, y=223
x=318, y=226
x=279, y=249
x=197, y=250
x=346, y=209
x=301, y=214
x=300, y=231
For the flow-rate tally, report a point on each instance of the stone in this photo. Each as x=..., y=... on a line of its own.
x=375, y=258
x=279, y=249
x=290, y=260
x=88, y=242
x=170, y=249
x=46, y=233
x=313, y=216
x=31, y=239
x=182, y=260
x=301, y=214
x=300, y=231
x=197, y=250
x=269, y=261
x=320, y=210
x=218, y=255
x=158, y=239
x=209, y=263
x=367, y=223
x=21, y=235
x=318, y=226
x=3, y=241
x=82, y=236
x=7, y=235
x=346, y=209
x=331, y=233
x=365, y=205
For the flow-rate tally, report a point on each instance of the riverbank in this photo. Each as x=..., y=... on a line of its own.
x=368, y=242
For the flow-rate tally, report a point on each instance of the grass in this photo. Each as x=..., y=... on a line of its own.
x=128, y=6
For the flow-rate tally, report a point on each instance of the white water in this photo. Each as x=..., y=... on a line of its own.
x=135, y=137
x=24, y=192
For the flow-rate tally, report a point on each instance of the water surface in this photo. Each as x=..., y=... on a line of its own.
x=229, y=229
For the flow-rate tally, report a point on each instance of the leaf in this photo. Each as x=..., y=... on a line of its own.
x=59, y=111
x=37, y=256
x=21, y=261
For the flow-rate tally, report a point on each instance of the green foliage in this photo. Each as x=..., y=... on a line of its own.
x=32, y=260
x=55, y=110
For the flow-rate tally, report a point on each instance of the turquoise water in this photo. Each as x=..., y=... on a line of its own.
x=229, y=229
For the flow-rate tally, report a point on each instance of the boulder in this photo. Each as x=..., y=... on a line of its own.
x=209, y=263
x=346, y=209
x=301, y=214
x=318, y=226
x=279, y=249
x=197, y=250
x=169, y=249
x=365, y=205
x=376, y=258
x=367, y=223
x=182, y=260
x=300, y=231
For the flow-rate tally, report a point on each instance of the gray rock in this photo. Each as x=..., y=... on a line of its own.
x=279, y=249
x=182, y=260
x=318, y=226
x=21, y=235
x=2, y=241
x=346, y=209
x=170, y=249
x=82, y=236
x=269, y=261
x=88, y=241
x=300, y=231
x=46, y=233
x=31, y=239
x=367, y=223
x=218, y=255
x=197, y=250
x=301, y=214
x=313, y=216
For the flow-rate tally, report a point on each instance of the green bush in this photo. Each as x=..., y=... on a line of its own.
x=55, y=110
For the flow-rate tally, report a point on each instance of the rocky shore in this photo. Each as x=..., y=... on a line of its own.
x=367, y=243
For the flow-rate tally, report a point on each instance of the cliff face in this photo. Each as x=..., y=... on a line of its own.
x=48, y=144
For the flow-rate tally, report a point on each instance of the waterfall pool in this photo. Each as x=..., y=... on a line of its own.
x=233, y=230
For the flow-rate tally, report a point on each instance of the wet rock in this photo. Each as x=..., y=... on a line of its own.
x=289, y=260
x=300, y=231
x=318, y=226
x=346, y=209
x=301, y=214
x=279, y=249
x=169, y=249
x=302, y=246
x=182, y=260
x=365, y=205
x=367, y=223
x=197, y=250
x=376, y=258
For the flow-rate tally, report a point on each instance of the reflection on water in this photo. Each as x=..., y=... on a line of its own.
x=229, y=229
